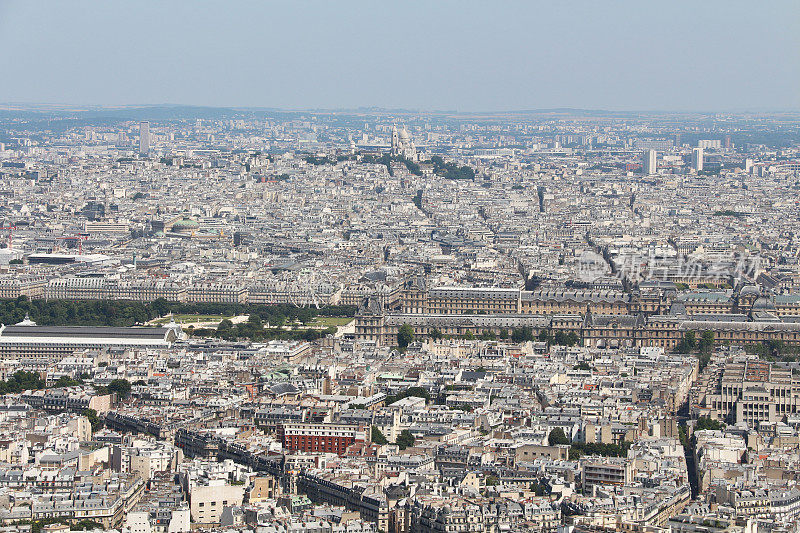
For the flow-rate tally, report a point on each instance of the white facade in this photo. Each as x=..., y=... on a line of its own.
x=144, y=138
x=649, y=162
x=697, y=158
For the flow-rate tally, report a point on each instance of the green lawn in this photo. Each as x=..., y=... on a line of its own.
x=332, y=321
x=190, y=319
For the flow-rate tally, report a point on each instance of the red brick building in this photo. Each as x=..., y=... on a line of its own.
x=321, y=438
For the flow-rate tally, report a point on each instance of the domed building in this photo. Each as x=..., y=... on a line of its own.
x=748, y=294
x=402, y=145
x=186, y=225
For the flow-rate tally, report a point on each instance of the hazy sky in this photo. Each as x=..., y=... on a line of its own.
x=430, y=55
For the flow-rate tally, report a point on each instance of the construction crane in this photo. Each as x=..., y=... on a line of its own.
x=10, y=234
x=79, y=238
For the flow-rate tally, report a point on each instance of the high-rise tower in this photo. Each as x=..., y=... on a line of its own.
x=144, y=138
x=697, y=159
x=649, y=162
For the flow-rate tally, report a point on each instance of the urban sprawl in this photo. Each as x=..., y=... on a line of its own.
x=372, y=321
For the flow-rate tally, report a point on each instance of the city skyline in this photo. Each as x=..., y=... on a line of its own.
x=411, y=267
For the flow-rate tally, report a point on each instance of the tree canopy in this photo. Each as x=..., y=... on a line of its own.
x=405, y=439
x=417, y=392
x=688, y=343
x=596, y=448
x=22, y=381
x=450, y=170
x=121, y=387
x=405, y=336
x=557, y=436
x=706, y=422
x=378, y=437
x=128, y=313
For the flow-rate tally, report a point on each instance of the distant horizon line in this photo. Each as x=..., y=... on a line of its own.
x=62, y=106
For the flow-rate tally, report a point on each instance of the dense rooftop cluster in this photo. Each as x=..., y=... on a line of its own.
x=352, y=323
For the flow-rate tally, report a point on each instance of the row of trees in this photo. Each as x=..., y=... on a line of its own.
x=441, y=167
x=578, y=449
x=385, y=160
x=417, y=392
x=706, y=422
x=127, y=313
x=253, y=329
x=690, y=343
x=36, y=526
x=22, y=380
x=450, y=170
x=388, y=159
x=404, y=440
x=328, y=160
x=775, y=350
x=771, y=350
x=405, y=336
